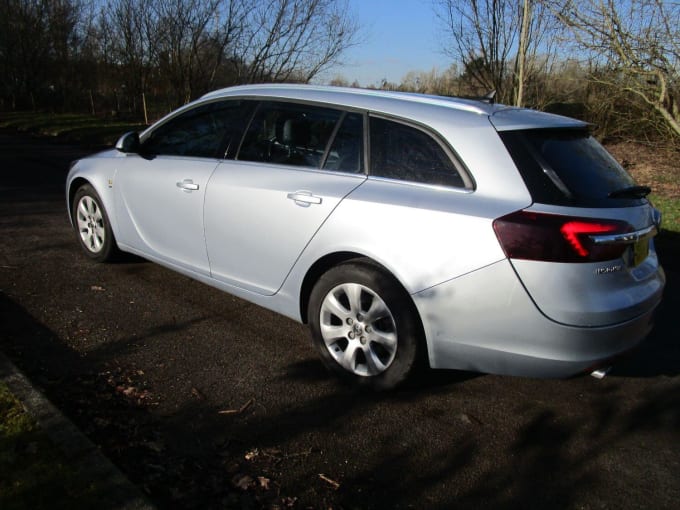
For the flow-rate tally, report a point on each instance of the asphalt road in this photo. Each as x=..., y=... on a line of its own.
x=206, y=401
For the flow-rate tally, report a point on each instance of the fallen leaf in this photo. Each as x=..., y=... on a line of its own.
x=469, y=419
x=156, y=446
x=241, y=481
x=252, y=454
x=264, y=482
x=272, y=452
x=101, y=422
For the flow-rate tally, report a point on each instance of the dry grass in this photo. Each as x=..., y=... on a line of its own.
x=658, y=168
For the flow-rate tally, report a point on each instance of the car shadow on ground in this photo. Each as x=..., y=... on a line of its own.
x=196, y=457
x=659, y=354
x=313, y=370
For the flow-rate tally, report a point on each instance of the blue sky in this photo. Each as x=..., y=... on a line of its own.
x=399, y=36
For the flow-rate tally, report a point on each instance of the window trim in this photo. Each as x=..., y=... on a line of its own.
x=466, y=176
x=256, y=109
x=257, y=100
x=331, y=139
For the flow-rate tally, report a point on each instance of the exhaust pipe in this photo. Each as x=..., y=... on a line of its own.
x=600, y=372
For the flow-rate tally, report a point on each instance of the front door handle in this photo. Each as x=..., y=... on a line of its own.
x=187, y=185
x=304, y=198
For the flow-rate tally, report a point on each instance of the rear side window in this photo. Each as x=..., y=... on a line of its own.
x=289, y=134
x=347, y=151
x=567, y=167
x=399, y=151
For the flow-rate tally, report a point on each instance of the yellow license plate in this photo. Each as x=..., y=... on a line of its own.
x=640, y=251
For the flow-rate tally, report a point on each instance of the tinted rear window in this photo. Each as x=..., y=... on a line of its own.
x=567, y=167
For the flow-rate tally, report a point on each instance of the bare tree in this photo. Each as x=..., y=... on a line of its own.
x=182, y=37
x=294, y=39
x=481, y=35
x=196, y=45
x=127, y=37
x=183, y=43
x=173, y=49
x=502, y=44
x=37, y=43
x=635, y=45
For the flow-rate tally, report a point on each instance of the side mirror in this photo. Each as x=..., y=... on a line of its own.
x=129, y=142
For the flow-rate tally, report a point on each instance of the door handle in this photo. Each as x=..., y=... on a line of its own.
x=304, y=198
x=187, y=185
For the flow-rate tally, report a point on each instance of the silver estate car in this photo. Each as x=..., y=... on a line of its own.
x=406, y=230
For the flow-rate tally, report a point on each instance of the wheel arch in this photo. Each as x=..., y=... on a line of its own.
x=333, y=259
x=314, y=273
x=73, y=187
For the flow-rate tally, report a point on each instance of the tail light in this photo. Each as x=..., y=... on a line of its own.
x=549, y=237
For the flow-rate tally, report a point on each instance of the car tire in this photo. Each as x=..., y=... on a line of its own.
x=365, y=325
x=92, y=225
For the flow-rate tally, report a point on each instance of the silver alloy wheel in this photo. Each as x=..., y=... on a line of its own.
x=90, y=222
x=358, y=329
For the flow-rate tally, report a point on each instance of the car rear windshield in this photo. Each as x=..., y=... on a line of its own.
x=568, y=167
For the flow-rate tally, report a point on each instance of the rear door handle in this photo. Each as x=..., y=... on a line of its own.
x=304, y=198
x=187, y=185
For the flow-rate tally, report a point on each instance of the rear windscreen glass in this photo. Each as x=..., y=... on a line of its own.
x=567, y=167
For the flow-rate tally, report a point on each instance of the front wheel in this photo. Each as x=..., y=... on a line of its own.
x=92, y=225
x=364, y=325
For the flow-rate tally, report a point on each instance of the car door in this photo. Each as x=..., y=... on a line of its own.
x=161, y=190
x=296, y=163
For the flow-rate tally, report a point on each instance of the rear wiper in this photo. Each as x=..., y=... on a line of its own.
x=631, y=192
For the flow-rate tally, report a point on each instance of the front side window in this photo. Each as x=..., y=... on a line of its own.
x=206, y=131
x=289, y=134
x=399, y=151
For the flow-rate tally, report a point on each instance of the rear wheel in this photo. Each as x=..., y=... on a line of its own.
x=364, y=325
x=92, y=225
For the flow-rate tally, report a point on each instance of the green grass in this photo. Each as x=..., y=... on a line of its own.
x=670, y=210
x=69, y=127
x=34, y=474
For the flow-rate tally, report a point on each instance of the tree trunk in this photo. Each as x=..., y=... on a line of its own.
x=521, y=55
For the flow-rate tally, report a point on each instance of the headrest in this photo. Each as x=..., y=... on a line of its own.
x=296, y=132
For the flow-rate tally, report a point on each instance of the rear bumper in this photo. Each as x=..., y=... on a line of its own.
x=485, y=321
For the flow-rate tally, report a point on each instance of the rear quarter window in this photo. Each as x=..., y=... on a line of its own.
x=400, y=151
x=567, y=167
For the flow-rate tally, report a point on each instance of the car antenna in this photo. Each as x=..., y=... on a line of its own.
x=490, y=97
